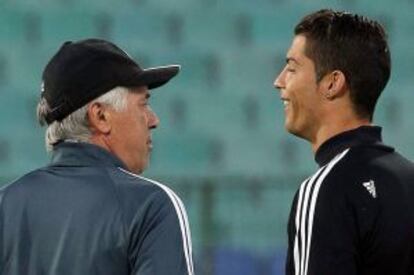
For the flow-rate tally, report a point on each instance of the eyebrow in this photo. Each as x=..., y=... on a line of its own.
x=291, y=59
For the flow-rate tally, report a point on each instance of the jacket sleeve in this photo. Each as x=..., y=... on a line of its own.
x=290, y=268
x=331, y=235
x=160, y=242
x=327, y=227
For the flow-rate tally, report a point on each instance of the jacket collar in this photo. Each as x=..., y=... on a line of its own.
x=364, y=135
x=83, y=154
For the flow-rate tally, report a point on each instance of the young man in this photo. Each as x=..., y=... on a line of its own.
x=355, y=214
x=89, y=212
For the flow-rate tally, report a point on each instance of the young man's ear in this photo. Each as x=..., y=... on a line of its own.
x=334, y=85
x=99, y=118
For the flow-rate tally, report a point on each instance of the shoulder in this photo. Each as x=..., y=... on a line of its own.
x=131, y=181
x=363, y=173
x=365, y=163
x=150, y=202
x=339, y=180
x=21, y=184
x=135, y=189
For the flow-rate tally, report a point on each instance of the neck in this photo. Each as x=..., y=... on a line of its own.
x=100, y=141
x=335, y=127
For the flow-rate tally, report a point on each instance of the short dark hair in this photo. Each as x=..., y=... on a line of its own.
x=353, y=44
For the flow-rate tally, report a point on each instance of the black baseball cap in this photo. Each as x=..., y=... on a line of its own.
x=84, y=70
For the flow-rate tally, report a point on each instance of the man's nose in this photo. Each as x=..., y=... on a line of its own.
x=154, y=121
x=279, y=82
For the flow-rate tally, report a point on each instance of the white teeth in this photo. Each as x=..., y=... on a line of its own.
x=285, y=102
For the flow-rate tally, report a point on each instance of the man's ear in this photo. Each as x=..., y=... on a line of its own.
x=99, y=118
x=334, y=85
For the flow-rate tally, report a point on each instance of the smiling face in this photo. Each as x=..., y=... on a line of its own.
x=130, y=135
x=300, y=92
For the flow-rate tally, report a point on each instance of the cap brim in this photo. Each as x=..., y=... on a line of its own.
x=158, y=76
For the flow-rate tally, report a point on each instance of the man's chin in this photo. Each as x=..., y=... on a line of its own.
x=139, y=169
x=294, y=131
x=290, y=129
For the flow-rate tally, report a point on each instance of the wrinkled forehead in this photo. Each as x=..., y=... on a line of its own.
x=139, y=90
x=138, y=93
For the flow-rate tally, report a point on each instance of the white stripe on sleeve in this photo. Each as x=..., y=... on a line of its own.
x=305, y=212
x=182, y=218
x=297, y=218
x=313, y=204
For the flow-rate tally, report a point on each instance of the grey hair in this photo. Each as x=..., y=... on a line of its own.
x=76, y=125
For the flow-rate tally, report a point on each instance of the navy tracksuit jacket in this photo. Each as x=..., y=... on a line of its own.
x=85, y=214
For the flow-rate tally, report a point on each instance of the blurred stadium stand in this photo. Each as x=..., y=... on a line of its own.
x=221, y=143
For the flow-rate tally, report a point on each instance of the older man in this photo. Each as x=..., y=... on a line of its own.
x=89, y=212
